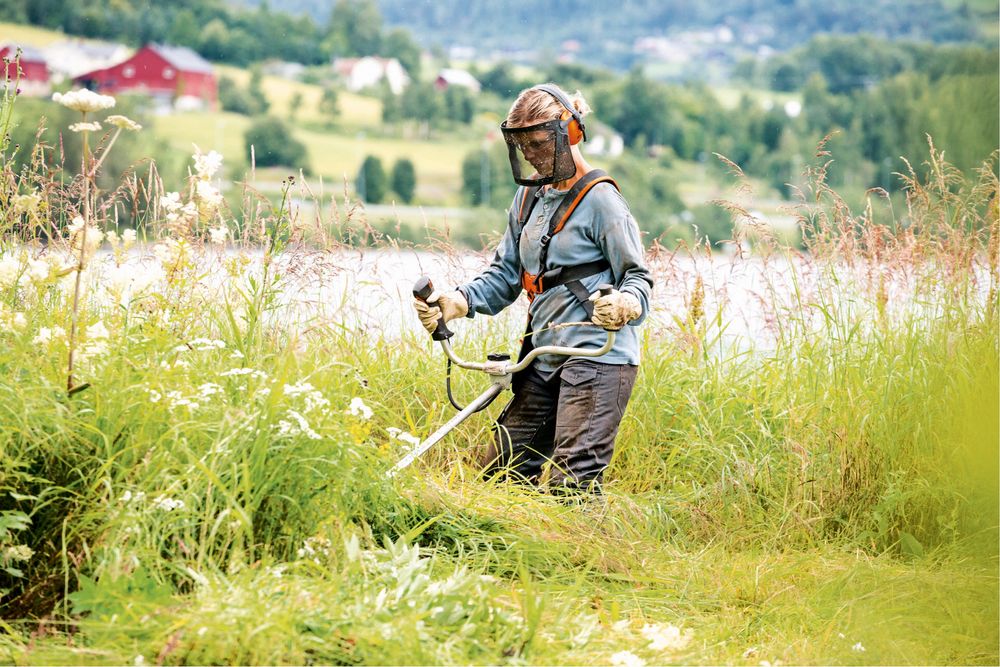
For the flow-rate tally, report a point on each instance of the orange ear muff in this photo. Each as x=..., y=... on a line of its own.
x=575, y=133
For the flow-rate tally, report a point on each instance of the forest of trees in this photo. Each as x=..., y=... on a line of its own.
x=223, y=33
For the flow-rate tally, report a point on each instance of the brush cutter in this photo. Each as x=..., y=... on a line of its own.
x=497, y=365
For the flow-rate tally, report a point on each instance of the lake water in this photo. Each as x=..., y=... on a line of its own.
x=748, y=301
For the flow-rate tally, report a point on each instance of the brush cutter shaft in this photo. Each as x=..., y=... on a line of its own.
x=509, y=369
x=472, y=407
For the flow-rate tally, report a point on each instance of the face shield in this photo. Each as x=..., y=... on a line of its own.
x=539, y=154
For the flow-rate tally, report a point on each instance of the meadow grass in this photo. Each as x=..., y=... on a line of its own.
x=355, y=111
x=206, y=484
x=29, y=35
x=336, y=156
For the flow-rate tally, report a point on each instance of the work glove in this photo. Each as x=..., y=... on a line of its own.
x=449, y=306
x=614, y=310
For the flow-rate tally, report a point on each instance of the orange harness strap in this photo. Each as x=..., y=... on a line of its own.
x=533, y=283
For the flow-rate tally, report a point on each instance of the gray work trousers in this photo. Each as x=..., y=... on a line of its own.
x=560, y=431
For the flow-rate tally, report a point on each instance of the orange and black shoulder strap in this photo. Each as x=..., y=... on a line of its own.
x=569, y=204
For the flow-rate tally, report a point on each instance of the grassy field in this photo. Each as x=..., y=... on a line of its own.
x=196, y=428
x=205, y=482
x=356, y=111
x=335, y=156
x=28, y=35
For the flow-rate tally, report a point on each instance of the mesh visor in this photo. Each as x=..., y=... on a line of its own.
x=539, y=154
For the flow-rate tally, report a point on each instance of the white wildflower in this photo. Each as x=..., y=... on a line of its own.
x=171, y=201
x=359, y=409
x=26, y=203
x=300, y=427
x=209, y=389
x=45, y=334
x=124, y=123
x=178, y=400
x=78, y=231
x=236, y=354
x=403, y=436
x=217, y=235
x=129, y=497
x=84, y=100
x=139, y=660
x=18, y=552
x=39, y=270
x=627, y=659
x=202, y=344
x=167, y=504
x=154, y=396
x=128, y=236
x=92, y=349
x=97, y=331
x=172, y=253
x=313, y=548
x=206, y=164
x=208, y=194
x=237, y=371
x=10, y=272
x=665, y=637
x=18, y=322
x=858, y=647
x=85, y=127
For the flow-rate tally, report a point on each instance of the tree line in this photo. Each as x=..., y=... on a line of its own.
x=224, y=33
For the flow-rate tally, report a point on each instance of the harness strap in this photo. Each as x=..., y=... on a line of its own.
x=569, y=203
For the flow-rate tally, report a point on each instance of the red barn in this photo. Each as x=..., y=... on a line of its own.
x=34, y=69
x=169, y=74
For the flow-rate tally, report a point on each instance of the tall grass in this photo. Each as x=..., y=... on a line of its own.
x=820, y=487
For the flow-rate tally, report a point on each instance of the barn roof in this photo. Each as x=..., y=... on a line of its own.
x=28, y=53
x=182, y=58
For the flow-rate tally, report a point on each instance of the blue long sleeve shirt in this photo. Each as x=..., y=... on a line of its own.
x=601, y=227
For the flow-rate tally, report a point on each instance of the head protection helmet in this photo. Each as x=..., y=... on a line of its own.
x=540, y=153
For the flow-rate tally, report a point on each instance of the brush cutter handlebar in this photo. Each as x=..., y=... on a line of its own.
x=498, y=366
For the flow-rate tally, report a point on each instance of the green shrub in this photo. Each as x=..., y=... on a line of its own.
x=274, y=146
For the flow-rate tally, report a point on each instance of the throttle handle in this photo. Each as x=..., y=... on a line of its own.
x=422, y=290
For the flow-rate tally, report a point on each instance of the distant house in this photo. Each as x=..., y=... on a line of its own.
x=361, y=73
x=34, y=79
x=602, y=140
x=285, y=70
x=448, y=77
x=173, y=76
x=70, y=58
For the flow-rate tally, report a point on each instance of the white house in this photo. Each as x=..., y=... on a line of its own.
x=456, y=77
x=360, y=73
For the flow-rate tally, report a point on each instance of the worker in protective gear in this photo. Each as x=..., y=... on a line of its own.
x=569, y=230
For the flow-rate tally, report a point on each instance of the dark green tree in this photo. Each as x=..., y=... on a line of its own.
x=458, y=104
x=355, y=28
x=500, y=79
x=256, y=90
x=234, y=98
x=329, y=105
x=403, y=179
x=371, y=183
x=486, y=177
x=273, y=145
x=399, y=44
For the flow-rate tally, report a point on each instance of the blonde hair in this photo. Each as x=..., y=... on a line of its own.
x=537, y=106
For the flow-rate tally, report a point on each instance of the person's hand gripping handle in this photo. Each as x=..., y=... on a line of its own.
x=423, y=290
